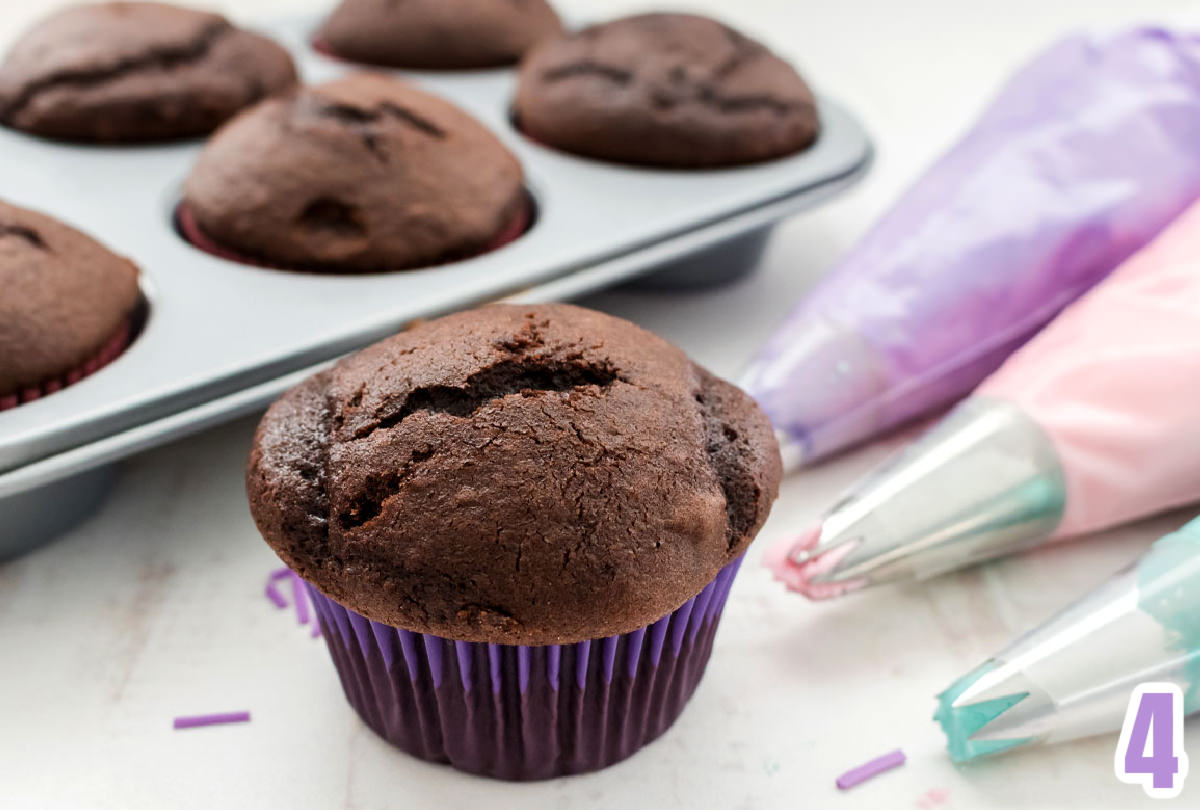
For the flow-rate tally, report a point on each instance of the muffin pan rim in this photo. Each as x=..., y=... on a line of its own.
x=99, y=408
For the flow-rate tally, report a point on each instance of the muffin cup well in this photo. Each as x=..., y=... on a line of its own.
x=188, y=228
x=113, y=348
x=523, y=713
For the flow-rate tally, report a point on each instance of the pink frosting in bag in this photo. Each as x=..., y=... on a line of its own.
x=1115, y=382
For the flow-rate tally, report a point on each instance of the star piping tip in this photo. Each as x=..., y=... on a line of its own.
x=961, y=722
x=803, y=569
x=804, y=546
x=780, y=558
x=821, y=578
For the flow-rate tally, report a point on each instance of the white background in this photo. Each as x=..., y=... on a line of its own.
x=155, y=607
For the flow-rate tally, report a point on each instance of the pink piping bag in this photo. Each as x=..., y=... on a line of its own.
x=1093, y=423
x=1086, y=154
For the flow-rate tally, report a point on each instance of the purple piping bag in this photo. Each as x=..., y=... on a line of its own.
x=1086, y=154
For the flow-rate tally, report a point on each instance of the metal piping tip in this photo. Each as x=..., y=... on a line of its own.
x=983, y=482
x=971, y=723
x=823, y=576
x=993, y=681
x=1025, y=720
x=1070, y=677
x=809, y=570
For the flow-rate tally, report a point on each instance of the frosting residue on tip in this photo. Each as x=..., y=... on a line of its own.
x=778, y=559
x=1169, y=591
x=798, y=577
x=960, y=723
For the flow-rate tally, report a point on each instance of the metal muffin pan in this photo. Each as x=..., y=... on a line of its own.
x=223, y=338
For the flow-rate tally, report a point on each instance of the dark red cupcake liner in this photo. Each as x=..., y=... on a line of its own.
x=113, y=348
x=523, y=713
x=189, y=229
x=321, y=46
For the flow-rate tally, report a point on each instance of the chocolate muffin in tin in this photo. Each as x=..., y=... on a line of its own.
x=135, y=71
x=671, y=90
x=519, y=525
x=67, y=305
x=436, y=34
x=362, y=174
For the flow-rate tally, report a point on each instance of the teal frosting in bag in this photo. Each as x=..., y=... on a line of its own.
x=1169, y=590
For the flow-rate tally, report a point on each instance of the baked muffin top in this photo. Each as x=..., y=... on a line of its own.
x=520, y=475
x=437, y=34
x=135, y=72
x=672, y=90
x=362, y=174
x=64, y=296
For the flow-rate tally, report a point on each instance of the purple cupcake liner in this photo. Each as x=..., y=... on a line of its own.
x=523, y=713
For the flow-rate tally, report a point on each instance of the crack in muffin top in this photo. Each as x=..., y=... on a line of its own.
x=665, y=89
x=516, y=475
x=437, y=34
x=133, y=71
x=362, y=174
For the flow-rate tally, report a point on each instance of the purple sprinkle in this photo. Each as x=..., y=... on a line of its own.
x=201, y=720
x=300, y=600
x=316, y=629
x=273, y=592
x=856, y=776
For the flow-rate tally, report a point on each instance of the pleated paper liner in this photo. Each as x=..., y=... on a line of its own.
x=111, y=350
x=187, y=227
x=523, y=713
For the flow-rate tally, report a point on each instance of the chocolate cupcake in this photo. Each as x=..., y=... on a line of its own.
x=519, y=526
x=363, y=174
x=436, y=34
x=671, y=90
x=67, y=305
x=127, y=72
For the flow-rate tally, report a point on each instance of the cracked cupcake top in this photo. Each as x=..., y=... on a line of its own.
x=437, y=34
x=62, y=296
x=362, y=174
x=672, y=90
x=518, y=475
x=135, y=72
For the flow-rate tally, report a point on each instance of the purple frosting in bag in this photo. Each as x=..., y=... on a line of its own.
x=1085, y=155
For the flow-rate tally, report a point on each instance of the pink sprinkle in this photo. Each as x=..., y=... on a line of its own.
x=273, y=591
x=856, y=776
x=201, y=720
x=300, y=600
x=934, y=797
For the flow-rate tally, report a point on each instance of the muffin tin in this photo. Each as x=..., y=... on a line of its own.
x=222, y=339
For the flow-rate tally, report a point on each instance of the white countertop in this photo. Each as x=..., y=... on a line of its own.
x=155, y=608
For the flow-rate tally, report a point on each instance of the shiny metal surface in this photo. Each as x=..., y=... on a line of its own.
x=1079, y=669
x=983, y=483
x=217, y=326
x=220, y=335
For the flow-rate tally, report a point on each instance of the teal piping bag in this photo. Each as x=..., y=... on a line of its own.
x=1073, y=676
x=1083, y=157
